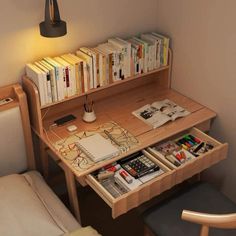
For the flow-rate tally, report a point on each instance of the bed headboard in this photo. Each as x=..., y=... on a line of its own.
x=16, y=147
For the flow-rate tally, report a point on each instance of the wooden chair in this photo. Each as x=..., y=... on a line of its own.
x=213, y=213
x=226, y=221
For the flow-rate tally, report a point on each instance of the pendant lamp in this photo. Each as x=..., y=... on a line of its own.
x=52, y=26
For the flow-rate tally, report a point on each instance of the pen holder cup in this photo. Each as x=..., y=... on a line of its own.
x=89, y=116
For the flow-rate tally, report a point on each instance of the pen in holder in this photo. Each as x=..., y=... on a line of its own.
x=89, y=114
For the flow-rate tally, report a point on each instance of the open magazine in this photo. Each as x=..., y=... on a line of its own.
x=160, y=112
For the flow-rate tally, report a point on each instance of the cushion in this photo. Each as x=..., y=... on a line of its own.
x=12, y=145
x=86, y=231
x=165, y=219
x=29, y=207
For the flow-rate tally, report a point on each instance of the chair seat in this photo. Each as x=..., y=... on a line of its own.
x=29, y=207
x=165, y=219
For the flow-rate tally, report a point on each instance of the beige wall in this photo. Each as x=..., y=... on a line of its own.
x=89, y=22
x=203, y=39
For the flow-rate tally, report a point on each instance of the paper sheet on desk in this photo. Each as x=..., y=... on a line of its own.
x=78, y=160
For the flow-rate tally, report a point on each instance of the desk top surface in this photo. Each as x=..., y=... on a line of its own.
x=119, y=108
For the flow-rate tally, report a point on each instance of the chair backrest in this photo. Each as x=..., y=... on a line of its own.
x=16, y=148
x=223, y=221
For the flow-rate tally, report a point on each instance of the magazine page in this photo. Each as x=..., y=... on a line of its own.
x=171, y=109
x=151, y=115
x=160, y=112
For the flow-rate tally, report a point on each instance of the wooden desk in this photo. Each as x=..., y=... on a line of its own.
x=115, y=103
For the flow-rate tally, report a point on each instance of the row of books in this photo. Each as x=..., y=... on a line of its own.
x=89, y=68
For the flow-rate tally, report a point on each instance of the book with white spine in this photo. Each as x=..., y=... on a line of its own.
x=85, y=69
x=70, y=76
x=102, y=66
x=77, y=64
x=104, y=59
x=95, y=58
x=157, y=43
x=164, y=48
x=52, y=79
x=124, y=55
x=38, y=77
x=151, y=50
x=114, y=61
x=145, y=52
x=59, y=77
x=138, y=57
x=128, y=58
x=89, y=62
x=48, y=90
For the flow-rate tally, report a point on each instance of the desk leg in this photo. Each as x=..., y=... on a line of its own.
x=44, y=159
x=72, y=192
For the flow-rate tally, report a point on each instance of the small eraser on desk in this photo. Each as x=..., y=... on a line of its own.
x=71, y=128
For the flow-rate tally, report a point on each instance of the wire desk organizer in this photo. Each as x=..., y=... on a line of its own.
x=117, y=135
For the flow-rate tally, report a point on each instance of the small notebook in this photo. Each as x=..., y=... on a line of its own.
x=97, y=148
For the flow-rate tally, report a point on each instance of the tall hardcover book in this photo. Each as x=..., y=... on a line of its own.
x=85, y=69
x=59, y=77
x=101, y=66
x=38, y=77
x=151, y=53
x=157, y=48
x=110, y=72
x=70, y=77
x=89, y=61
x=77, y=66
x=138, y=56
x=123, y=56
x=95, y=67
x=145, y=52
x=52, y=79
x=98, y=57
x=104, y=66
x=66, y=82
x=164, y=48
x=127, y=52
x=48, y=82
x=114, y=61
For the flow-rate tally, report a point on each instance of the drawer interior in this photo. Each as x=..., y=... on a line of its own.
x=170, y=175
x=203, y=154
x=122, y=198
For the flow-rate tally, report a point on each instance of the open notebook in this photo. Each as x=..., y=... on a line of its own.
x=97, y=148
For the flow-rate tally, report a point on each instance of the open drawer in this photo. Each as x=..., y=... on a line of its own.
x=197, y=164
x=139, y=195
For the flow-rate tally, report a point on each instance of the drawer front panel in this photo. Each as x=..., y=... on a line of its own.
x=135, y=197
x=197, y=165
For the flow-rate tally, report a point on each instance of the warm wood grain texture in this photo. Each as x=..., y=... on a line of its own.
x=21, y=96
x=223, y=221
x=116, y=102
x=72, y=191
x=34, y=105
x=164, y=182
x=110, y=109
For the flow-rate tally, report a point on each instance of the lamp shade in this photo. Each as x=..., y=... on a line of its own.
x=52, y=26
